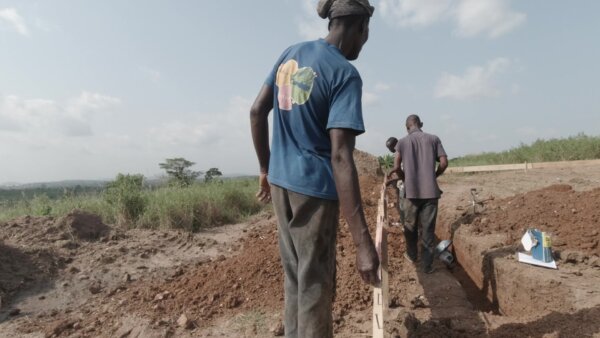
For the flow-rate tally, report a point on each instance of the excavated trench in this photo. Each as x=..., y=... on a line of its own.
x=494, y=281
x=474, y=295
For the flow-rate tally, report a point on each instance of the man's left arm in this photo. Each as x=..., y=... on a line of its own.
x=441, y=157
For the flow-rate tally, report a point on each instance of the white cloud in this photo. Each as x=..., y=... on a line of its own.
x=12, y=17
x=48, y=117
x=477, y=82
x=88, y=102
x=152, y=74
x=515, y=88
x=310, y=25
x=414, y=13
x=491, y=18
x=382, y=87
x=370, y=98
x=212, y=139
x=207, y=129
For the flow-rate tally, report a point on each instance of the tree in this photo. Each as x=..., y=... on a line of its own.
x=178, y=170
x=386, y=161
x=211, y=174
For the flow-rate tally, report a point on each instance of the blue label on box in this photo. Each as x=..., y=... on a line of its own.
x=542, y=250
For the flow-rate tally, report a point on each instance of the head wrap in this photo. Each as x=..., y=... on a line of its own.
x=335, y=8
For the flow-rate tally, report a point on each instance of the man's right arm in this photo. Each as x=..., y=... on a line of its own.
x=259, y=125
x=442, y=166
x=346, y=182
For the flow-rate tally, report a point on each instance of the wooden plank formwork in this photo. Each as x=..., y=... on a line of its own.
x=381, y=292
x=522, y=166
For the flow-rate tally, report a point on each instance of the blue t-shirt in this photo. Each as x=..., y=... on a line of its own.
x=315, y=89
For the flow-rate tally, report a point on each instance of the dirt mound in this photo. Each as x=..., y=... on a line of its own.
x=366, y=164
x=571, y=217
x=249, y=281
x=42, y=232
x=34, y=249
x=22, y=268
x=84, y=225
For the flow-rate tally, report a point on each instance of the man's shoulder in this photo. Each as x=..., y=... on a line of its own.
x=309, y=44
x=431, y=136
x=403, y=140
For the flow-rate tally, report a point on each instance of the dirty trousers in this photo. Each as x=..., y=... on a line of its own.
x=307, y=234
x=421, y=212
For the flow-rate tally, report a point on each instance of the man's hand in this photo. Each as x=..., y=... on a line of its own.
x=367, y=263
x=391, y=181
x=264, y=189
x=259, y=125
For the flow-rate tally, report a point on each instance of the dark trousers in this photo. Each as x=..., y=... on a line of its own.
x=421, y=212
x=307, y=235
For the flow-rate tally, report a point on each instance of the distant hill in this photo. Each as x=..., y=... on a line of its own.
x=56, y=184
x=69, y=184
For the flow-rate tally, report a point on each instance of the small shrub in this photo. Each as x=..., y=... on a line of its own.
x=386, y=161
x=41, y=205
x=126, y=196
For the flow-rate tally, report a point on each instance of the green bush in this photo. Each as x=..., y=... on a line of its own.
x=126, y=196
x=41, y=205
x=200, y=205
x=386, y=161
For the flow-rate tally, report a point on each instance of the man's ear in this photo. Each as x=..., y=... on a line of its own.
x=364, y=25
x=420, y=124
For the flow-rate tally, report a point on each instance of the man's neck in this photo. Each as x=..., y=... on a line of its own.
x=414, y=129
x=338, y=39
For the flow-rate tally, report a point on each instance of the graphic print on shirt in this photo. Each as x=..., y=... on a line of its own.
x=295, y=84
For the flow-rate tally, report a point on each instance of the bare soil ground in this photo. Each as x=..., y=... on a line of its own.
x=75, y=277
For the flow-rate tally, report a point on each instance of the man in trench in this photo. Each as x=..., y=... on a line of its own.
x=415, y=165
x=398, y=185
x=309, y=170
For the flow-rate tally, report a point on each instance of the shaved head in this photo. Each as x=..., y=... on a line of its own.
x=391, y=144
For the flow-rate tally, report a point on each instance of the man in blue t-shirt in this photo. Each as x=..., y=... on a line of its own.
x=309, y=171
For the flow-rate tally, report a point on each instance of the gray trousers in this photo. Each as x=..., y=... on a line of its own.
x=307, y=234
x=422, y=212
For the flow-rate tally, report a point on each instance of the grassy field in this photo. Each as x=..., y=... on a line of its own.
x=192, y=208
x=580, y=147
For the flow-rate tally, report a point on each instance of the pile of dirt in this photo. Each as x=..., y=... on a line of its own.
x=366, y=164
x=23, y=268
x=34, y=249
x=83, y=225
x=64, y=232
x=570, y=217
x=251, y=280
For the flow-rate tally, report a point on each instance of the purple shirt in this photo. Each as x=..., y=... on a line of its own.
x=420, y=152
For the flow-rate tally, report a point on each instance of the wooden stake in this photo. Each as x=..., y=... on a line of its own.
x=381, y=292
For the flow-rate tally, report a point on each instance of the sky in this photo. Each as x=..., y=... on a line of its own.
x=90, y=89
